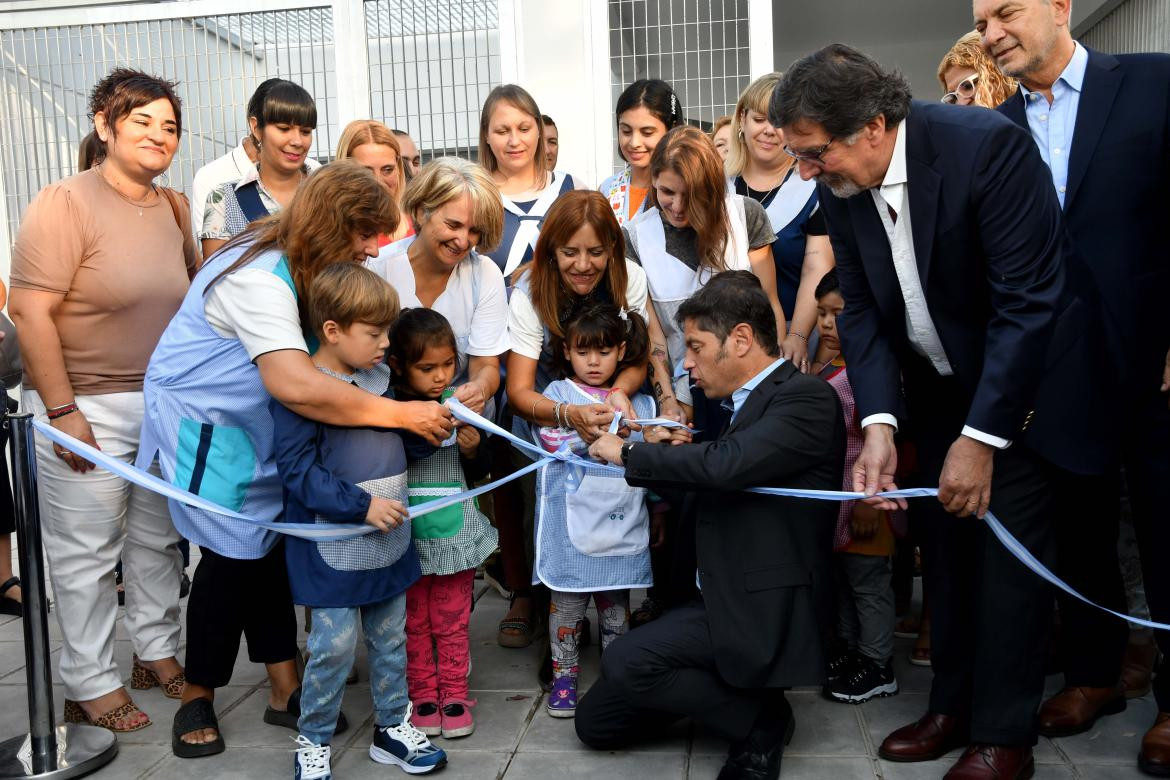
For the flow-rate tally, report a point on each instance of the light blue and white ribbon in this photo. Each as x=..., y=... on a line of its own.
x=341, y=531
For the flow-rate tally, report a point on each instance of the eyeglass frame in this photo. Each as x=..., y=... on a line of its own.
x=814, y=155
x=974, y=77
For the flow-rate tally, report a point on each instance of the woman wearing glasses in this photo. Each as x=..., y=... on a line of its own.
x=759, y=169
x=969, y=77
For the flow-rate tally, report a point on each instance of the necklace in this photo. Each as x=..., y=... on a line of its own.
x=765, y=194
x=145, y=203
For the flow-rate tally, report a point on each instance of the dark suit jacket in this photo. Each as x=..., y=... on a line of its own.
x=991, y=252
x=763, y=560
x=1118, y=202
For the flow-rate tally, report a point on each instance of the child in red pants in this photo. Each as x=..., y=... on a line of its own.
x=451, y=542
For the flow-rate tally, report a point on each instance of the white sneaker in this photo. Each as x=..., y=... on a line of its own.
x=406, y=747
x=311, y=761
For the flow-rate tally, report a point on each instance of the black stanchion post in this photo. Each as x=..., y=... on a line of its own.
x=47, y=751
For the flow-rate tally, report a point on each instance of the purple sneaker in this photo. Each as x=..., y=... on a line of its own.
x=562, y=699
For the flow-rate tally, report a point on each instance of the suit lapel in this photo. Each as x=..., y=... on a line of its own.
x=1102, y=79
x=924, y=184
x=1013, y=109
x=750, y=410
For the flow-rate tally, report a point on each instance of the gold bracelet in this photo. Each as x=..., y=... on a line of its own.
x=534, y=403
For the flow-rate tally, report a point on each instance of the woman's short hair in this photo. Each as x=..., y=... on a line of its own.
x=335, y=203
x=360, y=132
x=728, y=299
x=347, y=293
x=284, y=103
x=993, y=87
x=519, y=99
x=689, y=153
x=755, y=97
x=840, y=89
x=446, y=178
x=565, y=217
x=126, y=89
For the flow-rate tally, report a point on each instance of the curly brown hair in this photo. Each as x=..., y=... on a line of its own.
x=993, y=87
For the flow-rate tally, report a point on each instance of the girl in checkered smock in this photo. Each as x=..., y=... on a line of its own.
x=592, y=536
x=450, y=542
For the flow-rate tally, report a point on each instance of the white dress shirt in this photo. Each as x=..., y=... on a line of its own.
x=894, y=195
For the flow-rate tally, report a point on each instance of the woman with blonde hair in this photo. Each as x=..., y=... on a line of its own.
x=456, y=206
x=511, y=148
x=693, y=230
x=759, y=169
x=969, y=76
x=374, y=146
x=237, y=342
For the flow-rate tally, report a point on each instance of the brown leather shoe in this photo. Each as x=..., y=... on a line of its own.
x=1137, y=667
x=1074, y=710
x=993, y=762
x=931, y=736
x=1154, y=759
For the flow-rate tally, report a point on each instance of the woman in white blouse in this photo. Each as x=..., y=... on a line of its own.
x=457, y=209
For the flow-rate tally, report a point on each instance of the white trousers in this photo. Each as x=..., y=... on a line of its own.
x=90, y=520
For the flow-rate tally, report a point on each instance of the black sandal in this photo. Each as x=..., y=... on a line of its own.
x=9, y=605
x=193, y=716
x=289, y=716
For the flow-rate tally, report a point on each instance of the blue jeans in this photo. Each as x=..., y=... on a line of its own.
x=332, y=643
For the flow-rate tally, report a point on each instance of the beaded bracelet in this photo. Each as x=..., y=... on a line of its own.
x=798, y=335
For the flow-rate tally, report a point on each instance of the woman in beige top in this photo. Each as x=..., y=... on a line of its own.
x=100, y=266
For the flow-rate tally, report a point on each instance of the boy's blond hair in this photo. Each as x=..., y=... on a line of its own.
x=347, y=293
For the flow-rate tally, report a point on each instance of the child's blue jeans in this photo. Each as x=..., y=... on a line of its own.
x=332, y=644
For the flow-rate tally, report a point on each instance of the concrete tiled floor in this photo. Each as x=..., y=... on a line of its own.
x=516, y=739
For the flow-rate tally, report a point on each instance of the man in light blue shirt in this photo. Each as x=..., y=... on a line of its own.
x=1052, y=116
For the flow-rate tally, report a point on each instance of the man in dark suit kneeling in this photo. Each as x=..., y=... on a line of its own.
x=726, y=659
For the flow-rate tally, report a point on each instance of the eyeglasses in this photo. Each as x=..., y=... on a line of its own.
x=813, y=155
x=965, y=89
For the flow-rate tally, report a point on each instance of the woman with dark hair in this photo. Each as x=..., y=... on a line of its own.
x=693, y=230
x=646, y=110
x=759, y=169
x=511, y=148
x=101, y=263
x=237, y=342
x=281, y=128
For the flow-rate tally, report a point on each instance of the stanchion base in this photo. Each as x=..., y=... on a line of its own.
x=81, y=749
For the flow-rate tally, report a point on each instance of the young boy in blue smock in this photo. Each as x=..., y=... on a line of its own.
x=352, y=475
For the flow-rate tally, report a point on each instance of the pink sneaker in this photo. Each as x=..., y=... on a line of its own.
x=426, y=717
x=457, y=720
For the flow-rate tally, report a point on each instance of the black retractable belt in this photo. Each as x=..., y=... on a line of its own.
x=47, y=750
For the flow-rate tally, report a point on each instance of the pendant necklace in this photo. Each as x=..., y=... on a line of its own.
x=140, y=205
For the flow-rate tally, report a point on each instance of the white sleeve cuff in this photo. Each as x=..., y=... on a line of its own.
x=986, y=438
x=887, y=419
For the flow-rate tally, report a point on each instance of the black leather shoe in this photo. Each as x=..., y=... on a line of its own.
x=758, y=757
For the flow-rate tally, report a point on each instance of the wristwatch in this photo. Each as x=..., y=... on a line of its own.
x=626, y=452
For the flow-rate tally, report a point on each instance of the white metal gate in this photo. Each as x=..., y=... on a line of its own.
x=424, y=66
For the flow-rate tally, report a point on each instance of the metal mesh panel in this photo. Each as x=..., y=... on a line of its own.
x=47, y=73
x=432, y=64
x=699, y=46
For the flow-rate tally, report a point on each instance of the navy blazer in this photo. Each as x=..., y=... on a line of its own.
x=991, y=254
x=1117, y=202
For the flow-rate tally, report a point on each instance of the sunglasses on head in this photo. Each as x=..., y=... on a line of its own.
x=964, y=89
